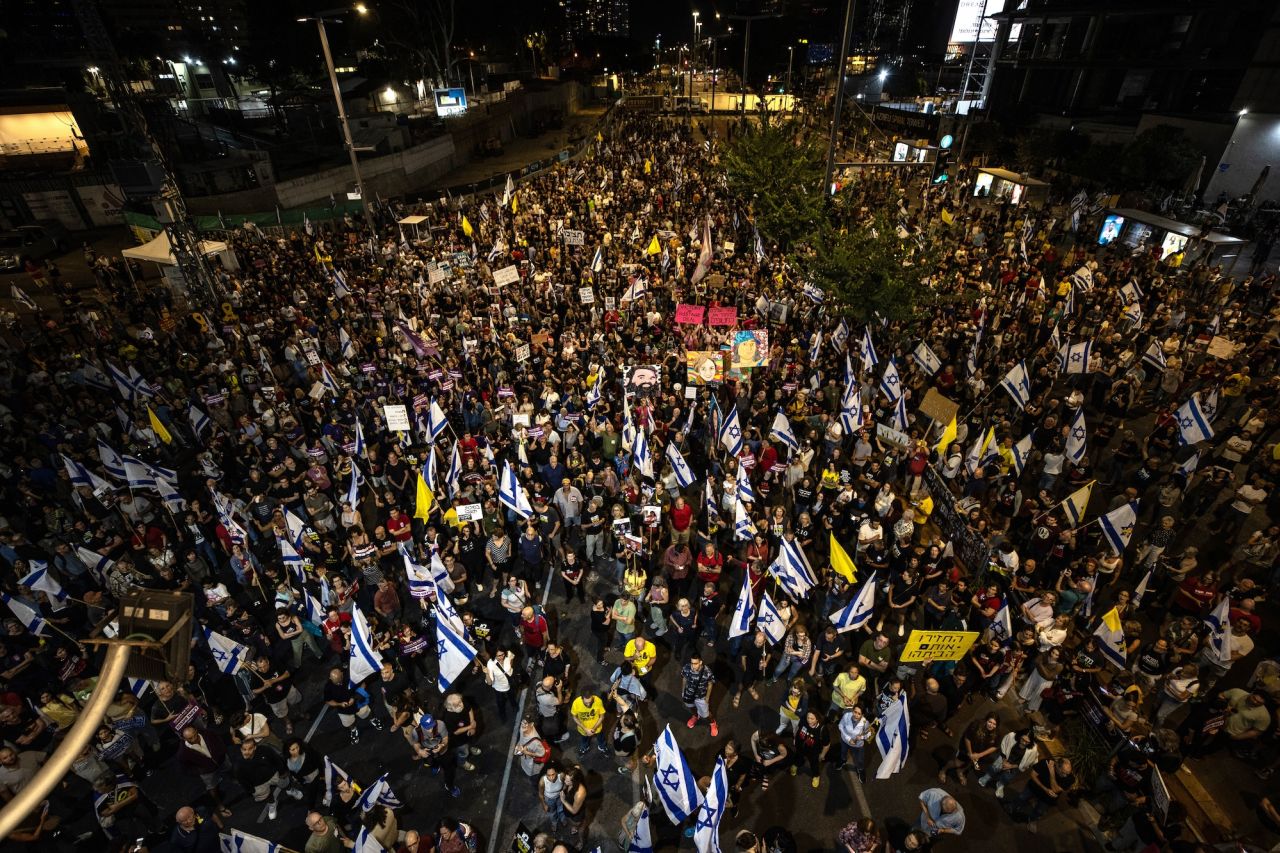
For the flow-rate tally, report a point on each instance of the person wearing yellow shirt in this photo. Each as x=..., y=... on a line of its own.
x=847, y=689
x=642, y=654
x=588, y=716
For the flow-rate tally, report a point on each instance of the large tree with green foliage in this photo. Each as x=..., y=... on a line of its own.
x=867, y=269
x=776, y=168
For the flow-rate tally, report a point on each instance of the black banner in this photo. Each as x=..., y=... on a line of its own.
x=970, y=548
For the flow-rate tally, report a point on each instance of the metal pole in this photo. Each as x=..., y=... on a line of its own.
x=346, y=128
x=714, y=74
x=835, y=117
x=86, y=725
x=746, y=52
x=791, y=53
x=973, y=52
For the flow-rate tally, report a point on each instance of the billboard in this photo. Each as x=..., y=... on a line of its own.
x=964, y=30
x=450, y=102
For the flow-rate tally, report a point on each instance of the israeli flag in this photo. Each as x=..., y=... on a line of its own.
x=1018, y=384
x=512, y=494
x=868, y=351
x=759, y=246
x=1186, y=469
x=857, y=612
x=97, y=563
x=1193, y=426
x=710, y=501
x=445, y=611
x=453, y=477
x=1021, y=453
x=1154, y=356
x=236, y=841
x=743, y=528
x=744, y=612
x=791, y=554
x=851, y=409
x=436, y=421
x=123, y=382
x=379, y=794
x=353, y=491
x=706, y=832
x=641, y=458
x=333, y=774
x=731, y=433
x=455, y=654
x=673, y=779
x=20, y=296
x=597, y=260
x=1074, y=358
x=365, y=660
x=840, y=336
x=684, y=475
x=340, y=288
x=891, y=383
x=743, y=485
x=30, y=618
x=419, y=579
x=361, y=449
x=925, y=357
x=1209, y=405
x=781, y=430
x=110, y=461
x=1118, y=525
x=227, y=653
x=1131, y=291
x=900, y=414
x=366, y=843
x=1002, y=624
x=314, y=610
x=1214, y=324
x=347, y=349
x=1219, y=624
x=1078, y=438
x=815, y=346
x=642, y=841
x=795, y=584
x=173, y=501
x=199, y=420
x=769, y=620
x=593, y=394
x=1133, y=313
x=77, y=473
x=137, y=473
x=893, y=739
x=326, y=379
x=291, y=558
x=815, y=294
x=296, y=527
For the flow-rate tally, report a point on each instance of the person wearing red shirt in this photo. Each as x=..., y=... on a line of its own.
x=1195, y=595
x=710, y=564
x=468, y=447
x=399, y=526
x=768, y=457
x=535, y=633
x=680, y=517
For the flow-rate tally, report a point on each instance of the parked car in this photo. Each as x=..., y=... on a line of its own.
x=34, y=242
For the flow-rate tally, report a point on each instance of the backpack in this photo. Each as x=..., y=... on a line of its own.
x=546, y=752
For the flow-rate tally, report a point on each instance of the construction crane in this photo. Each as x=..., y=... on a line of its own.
x=170, y=207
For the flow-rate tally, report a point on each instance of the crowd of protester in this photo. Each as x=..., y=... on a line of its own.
x=268, y=409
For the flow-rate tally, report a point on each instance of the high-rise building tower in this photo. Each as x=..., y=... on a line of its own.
x=588, y=18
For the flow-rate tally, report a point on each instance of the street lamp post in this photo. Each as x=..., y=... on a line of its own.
x=320, y=20
x=746, y=52
x=791, y=51
x=688, y=105
x=835, y=117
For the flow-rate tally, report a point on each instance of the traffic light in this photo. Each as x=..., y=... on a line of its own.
x=942, y=166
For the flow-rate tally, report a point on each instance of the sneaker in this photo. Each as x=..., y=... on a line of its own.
x=582, y=750
x=624, y=771
x=468, y=766
x=795, y=770
x=272, y=811
x=376, y=723
x=816, y=782
x=1000, y=791
x=603, y=749
x=693, y=721
x=564, y=737
x=454, y=792
x=355, y=735
x=475, y=750
x=295, y=793
x=715, y=730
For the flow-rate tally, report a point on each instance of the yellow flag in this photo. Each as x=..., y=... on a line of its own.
x=599, y=137
x=947, y=217
x=451, y=517
x=422, y=506
x=948, y=436
x=655, y=248
x=158, y=428
x=841, y=562
x=648, y=165
x=514, y=206
x=466, y=227
x=1112, y=620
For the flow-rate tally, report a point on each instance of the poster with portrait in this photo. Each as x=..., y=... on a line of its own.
x=642, y=380
x=750, y=349
x=705, y=367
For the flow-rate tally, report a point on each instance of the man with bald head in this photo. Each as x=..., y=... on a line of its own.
x=193, y=833
x=940, y=814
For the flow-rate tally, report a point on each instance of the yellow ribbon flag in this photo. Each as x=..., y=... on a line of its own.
x=841, y=562
x=422, y=506
x=648, y=165
x=655, y=248
x=947, y=217
x=451, y=517
x=514, y=206
x=466, y=227
x=158, y=428
x=948, y=436
x=599, y=136
x=1112, y=620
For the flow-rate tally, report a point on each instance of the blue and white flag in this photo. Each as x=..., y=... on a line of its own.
x=82, y=476
x=326, y=379
x=20, y=296
x=1154, y=356
x=1214, y=324
x=742, y=485
x=1002, y=623
x=173, y=501
x=814, y=293
x=1077, y=438
x=769, y=620
x=1219, y=624
x=673, y=779
x=235, y=841
x=1209, y=406
x=29, y=617
x=857, y=612
x=137, y=474
x=340, y=288
x=597, y=260
x=227, y=653
x=1018, y=383
x=731, y=433
x=512, y=494
x=744, y=612
x=436, y=421
x=709, y=501
x=706, y=831
x=110, y=461
x=893, y=738
x=781, y=430
x=366, y=843
x=1186, y=469
x=1074, y=358
x=900, y=414
x=925, y=357
x=97, y=563
x=641, y=458
x=314, y=609
x=1076, y=504
x=296, y=526
x=1130, y=291
x=594, y=392
x=1021, y=453
x=455, y=654
x=840, y=336
x=868, y=351
x=291, y=558
x=429, y=470
x=684, y=474
x=199, y=420
x=642, y=840
x=815, y=346
x=379, y=794
x=453, y=477
x=1133, y=313
x=890, y=382
x=1140, y=591
x=333, y=774
x=364, y=659
x=1117, y=526
x=758, y=245
x=347, y=347
x=123, y=382
x=1193, y=426
x=353, y=490
x=790, y=552
x=744, y=530
x=851, y=408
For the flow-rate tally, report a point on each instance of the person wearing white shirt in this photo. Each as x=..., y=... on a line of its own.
x=854, y=732
x=498, y=674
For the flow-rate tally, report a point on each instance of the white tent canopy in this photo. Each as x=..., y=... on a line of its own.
x=158, y=250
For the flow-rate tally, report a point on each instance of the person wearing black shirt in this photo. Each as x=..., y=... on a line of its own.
x=812, y=741
x=1050, y=778
x=351, y=705
x=261, y=771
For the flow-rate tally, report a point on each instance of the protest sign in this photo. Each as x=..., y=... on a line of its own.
x=397, y=418
x=505, y=276
x=689, y=314
x=721, y=316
